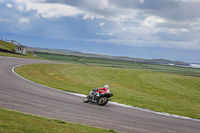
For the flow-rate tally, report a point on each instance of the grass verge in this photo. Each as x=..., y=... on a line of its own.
x=8, y=49
x=163, y=92
x=16, y=122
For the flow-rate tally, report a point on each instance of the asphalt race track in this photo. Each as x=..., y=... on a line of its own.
x=24, y=96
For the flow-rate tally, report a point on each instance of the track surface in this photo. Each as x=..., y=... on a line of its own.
x=21, y=95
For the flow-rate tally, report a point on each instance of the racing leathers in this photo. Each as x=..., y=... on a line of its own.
x=101, y=90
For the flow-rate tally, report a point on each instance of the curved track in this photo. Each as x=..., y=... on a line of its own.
x=21, y=95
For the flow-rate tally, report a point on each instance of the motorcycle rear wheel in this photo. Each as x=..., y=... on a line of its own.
x=103, y=101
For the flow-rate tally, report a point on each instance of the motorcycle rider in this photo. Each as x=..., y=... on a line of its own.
x=97, y=92
x=102, y=90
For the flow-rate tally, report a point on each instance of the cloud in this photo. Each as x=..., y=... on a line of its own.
x=88, y=9
x=9, y=5
x=101, y=24
x=151, y=21
x=21, y=8
x=54, y=10
x=141, y=1
x=24, y=20
x=48, y=10
x=164, y=23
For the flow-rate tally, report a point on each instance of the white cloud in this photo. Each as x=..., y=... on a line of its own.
x=151, y=21
x=141, y=1
x=183, y=30
x=50, y=10
x=9, y=5
x=21, y=8
x=102, y=24
x=56, y=10
x=92, y=16
x=24, y=20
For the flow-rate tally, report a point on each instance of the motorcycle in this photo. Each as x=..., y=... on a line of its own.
x=102, y=99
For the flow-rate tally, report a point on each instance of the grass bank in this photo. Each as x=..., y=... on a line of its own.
x=8, y=49
x=16, y=122
x=164, y=92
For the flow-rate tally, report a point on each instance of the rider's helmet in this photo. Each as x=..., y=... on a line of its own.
x=106, y=87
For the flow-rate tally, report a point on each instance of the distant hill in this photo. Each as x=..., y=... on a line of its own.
x=76, y=53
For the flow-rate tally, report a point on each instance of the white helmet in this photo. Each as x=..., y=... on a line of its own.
x=106, y=86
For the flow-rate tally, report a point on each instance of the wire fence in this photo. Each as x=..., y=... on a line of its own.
x=11, y=41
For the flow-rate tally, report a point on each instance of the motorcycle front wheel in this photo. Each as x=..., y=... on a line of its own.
x=103, y=101
x=86, y=100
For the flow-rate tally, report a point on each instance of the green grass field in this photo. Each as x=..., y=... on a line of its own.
x=16, y=122
x=121, y=64
x=146, y=88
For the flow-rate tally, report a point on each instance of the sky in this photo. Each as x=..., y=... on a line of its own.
x=151, y=29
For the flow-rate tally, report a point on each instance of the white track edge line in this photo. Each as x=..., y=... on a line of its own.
x=113, y=103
